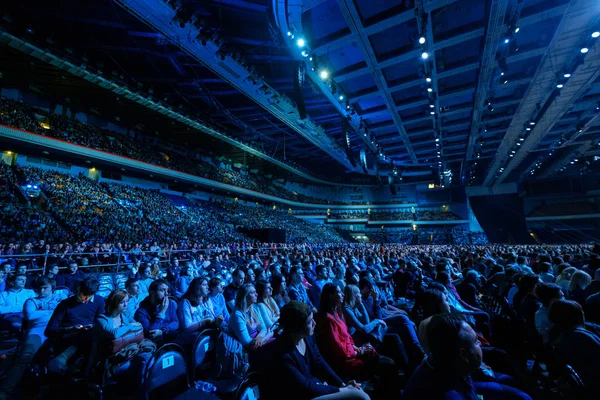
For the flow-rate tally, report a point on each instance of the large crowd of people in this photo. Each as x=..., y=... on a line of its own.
x=350, y=321
x=23, y=116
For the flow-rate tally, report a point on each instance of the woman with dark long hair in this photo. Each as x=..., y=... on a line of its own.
x=339, y=349
x=298, y=368
x=195, y=311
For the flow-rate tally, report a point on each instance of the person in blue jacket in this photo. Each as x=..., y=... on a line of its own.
x=298, y=369
x=158, y=314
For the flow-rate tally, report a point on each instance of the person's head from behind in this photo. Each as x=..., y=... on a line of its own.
x=565, y=272
x=46, y=287
x=544, y=267
x=352, y=297
x=296, y=319
x=453, y=344
x=521, y=260
x=435, y=302
x=72, y=267
x=158, y=290
x=197, y=291
x=444, y=278
x=579, y=280
x=116, y=303
x=245, y=297
x=264, y=290
x=566, y=315
x=548, y=293
x=331, y=299
x=133, y=286
x=528, y=282
x=472, y=277
x=238, y=277
x=17, y=281
x=86, y=289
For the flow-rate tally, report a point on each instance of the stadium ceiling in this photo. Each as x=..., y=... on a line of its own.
x=494, y=91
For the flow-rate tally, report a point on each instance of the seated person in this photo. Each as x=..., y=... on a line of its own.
x=266, y=304
x=215, y=285
x=196, y=312
x=71, y=276
x=280, y=294
x=322, y=278
x=12, y=302
x=246, y=324
x=158, y=314
x=363, y=330
x=297, y=290
x=575, y=344
x=454, y=355
x=113, y=324
x=298, y=366
x=183, y=282
x=339, y=349
x=36, y=314
x=231, y=290
x=70, y=324
x=547, y=293
x=135, y=295
x=145, y=278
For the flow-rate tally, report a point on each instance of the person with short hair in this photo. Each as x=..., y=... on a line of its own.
x=132, y=285
x=297, y=290
x=322, y=278
x=12, y=301
x=298, y=368
x=454, y=354
x=576, y=345
x=36, y=315
x=231, y=290
x=71, y=276
x=158, y=314
x=70, y=324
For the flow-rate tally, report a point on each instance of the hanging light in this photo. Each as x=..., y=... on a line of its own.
x=425, y=56
x=422, y=40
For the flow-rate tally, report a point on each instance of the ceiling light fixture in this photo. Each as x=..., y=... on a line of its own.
x=424, y=56
x=301, y=42
x=567, y=75
x=324, y=74
x=341, y=97
x=585, y=50
x=595, y=34
x=428, y=80
x=429, y=89
x=506, y=40
x=517, y=30
x=422, y=40
x=560, y=86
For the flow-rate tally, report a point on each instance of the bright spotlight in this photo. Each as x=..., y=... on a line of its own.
x=567, y=75
x=560, y=86
x=424, y=56
x=289, y=33
x=341, y=97
x=301, y=42
x=428, y=80
x=429, y=89
x=585, y=50
x=324, y=74
x=517, y=30
x=506, y=40
x=595, y=34
x=422, y=40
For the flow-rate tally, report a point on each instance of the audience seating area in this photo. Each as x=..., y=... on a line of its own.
x=229, y=346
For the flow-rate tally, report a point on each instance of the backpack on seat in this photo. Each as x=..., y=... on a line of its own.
x=231, y=358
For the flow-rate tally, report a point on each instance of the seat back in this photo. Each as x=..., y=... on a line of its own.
x=166, y=373
x=120, y=280
x=204, y=344
x=63, y=290
x=248, y=388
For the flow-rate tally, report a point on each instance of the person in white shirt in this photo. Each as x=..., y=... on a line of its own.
x=195, y=311
x=36, y=314
x=547, y=293
x=135, y=296
x=12, y=301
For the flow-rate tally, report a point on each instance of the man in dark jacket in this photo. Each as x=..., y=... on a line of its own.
x=70, y=277
x=158, y=314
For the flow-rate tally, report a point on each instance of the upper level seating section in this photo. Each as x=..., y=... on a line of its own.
x=350, y=215
x=556, y=209
x=22, y=116
x=425, y=236
x=19, y=221
x=418, y=215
